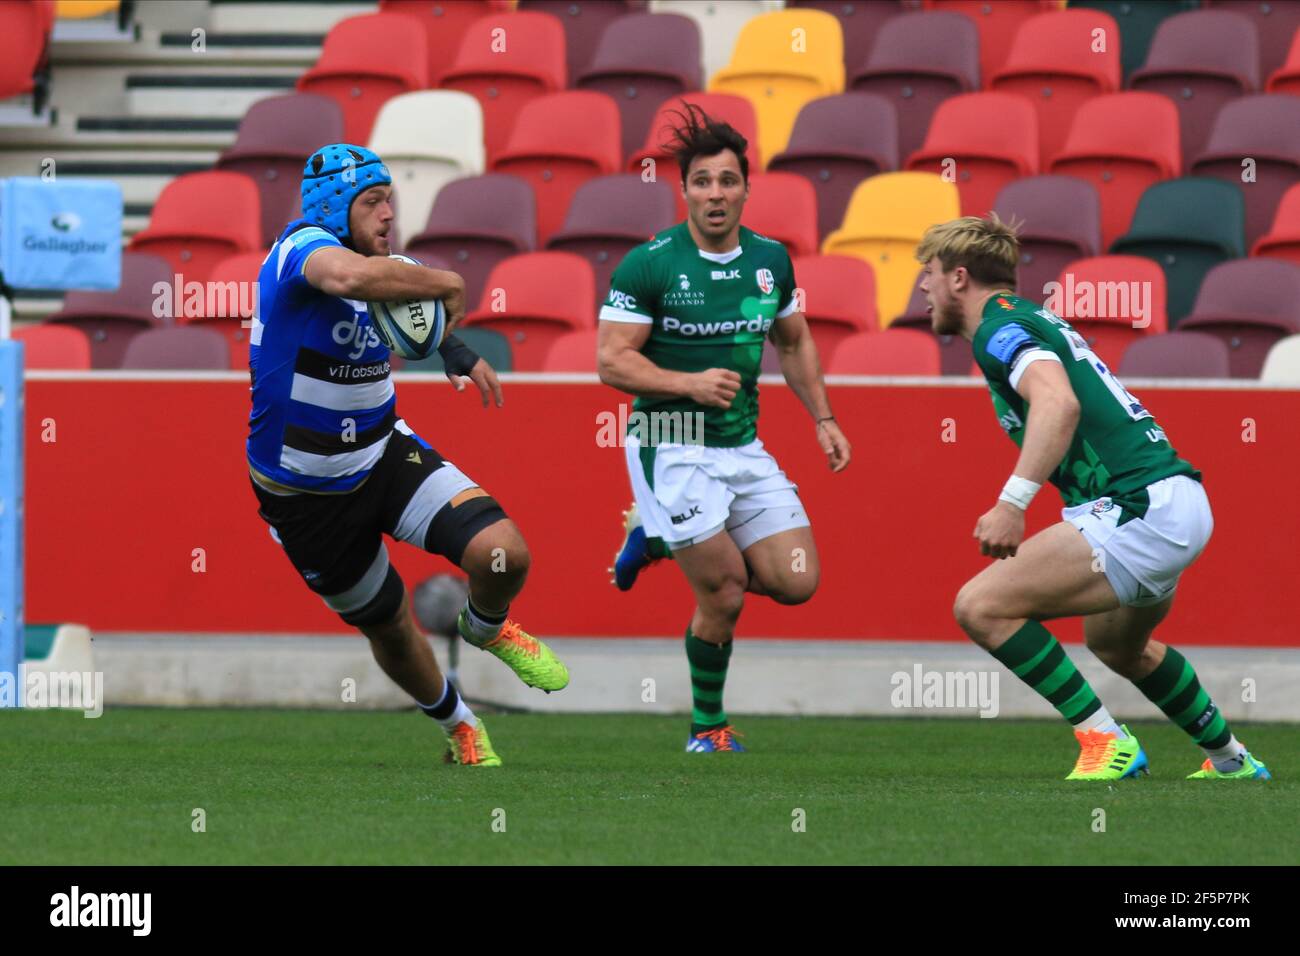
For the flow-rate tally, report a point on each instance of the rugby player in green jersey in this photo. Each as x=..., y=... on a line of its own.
x=1135, y=513
x=683, y=330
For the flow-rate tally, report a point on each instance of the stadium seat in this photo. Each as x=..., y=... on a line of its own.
x=574, y=352
x=955, y=357
x=275, y=139
x=885, y=219
x=232, y=304
x=1277, y=22
x=982, y=140
x=477, y=222
x=1250, y=304
x=1112, y=301
x=839, y=298
x=783, y=206
x=719, y=23
x=189, y=347
x=609, y=216
x=1282, y=366
x=1138, y=23
x=366, y=60
x=644, y=59
x=1060, y=219
x=505, y=79
x=1187, y=226
x=49, y=346
x=444, y=25
x=1286, y=78
x=1282, y=241
x=427, y=139
x=560, y=141
x=200, y=219
x=110, y=319
x=24, y=44
x=837, y=142
x=491, y=347
x=1201, y=60
x=1052, y=62
x=1176, y=355
x=893, y=352
x=1122, y=143
x=535, y=298
x=1266, y=130
x=779, y=75
x=998, y=24
x=918, y=61
x=860, y=23
x=585, y=23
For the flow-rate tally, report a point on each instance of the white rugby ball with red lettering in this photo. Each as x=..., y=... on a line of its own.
x=411, y=328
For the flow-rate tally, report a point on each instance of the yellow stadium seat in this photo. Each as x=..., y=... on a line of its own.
x=80, y=9
x=782, y=60
x=885, y=219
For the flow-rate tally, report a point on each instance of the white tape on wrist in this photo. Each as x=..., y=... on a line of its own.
x=1019, y=491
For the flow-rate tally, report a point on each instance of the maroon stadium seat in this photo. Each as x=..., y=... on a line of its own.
x=24, y=41
x=1250, y=304
x=1176, y=355
x=444, y=23
x=1097, y=297
x=505, y=80
x=837, y=142
x=1266, y=129
x=200, y=219
x=365, y=61
x=1200, y=60
x=476, y=222
x=918, y=61
x=998, y=24
x=609, y=216
x=839, y=298
x=1052, y=62
x=275, y=139
x=573, y=352
x=783, y=206
x=860, y=23
x=1122, y=144
x=187, y=347
x=1282, y=241
x=993, y=139
x=892, y=352
x=1277, y=22
x=535, y=298
x=643, y=60
x=54, y=347
x=1060, y=220
x=110, y=319
x=560, y=141
x=585, y=23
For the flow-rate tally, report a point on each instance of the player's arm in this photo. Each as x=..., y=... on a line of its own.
x=620, y=364
x=802, y=369
x=342, y=272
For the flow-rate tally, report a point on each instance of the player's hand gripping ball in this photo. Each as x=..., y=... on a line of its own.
x=412, y=328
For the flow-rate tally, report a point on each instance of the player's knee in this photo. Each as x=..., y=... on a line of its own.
x=499, y=551
x=724, y=597
x=973, y=611
x=380, y=609
x=1122, y=659
x=795, y=588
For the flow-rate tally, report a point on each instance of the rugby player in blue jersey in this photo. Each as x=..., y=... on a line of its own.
x=335, y=468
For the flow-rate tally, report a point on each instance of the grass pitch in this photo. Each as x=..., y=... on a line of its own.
x=316, y=787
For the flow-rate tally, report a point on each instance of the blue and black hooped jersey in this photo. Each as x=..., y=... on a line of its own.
x=323, y=401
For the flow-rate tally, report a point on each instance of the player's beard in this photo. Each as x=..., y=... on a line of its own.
x=947, y=319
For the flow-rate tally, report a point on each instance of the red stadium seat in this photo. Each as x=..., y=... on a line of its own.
x=444, y=25
x=1286, y=79
x=110, y=319
x=585, y=23
x=506, y=78
x=574, y=352
x=365, y=61
x=1282, y=241
x=234, y=282
x=177, y=348
x=276, y=136
x=24, y=43
x=1122, y=144
x=535, y=298
x=1250, y=304
x=54, y=347
x=839, y=298
x=560, y=141
x=998, y=24
x=783, y=206
x=1112, y=301
x=892, y=352
x=1052, y=62
x=986, y=140
x=1176, y=354
x=1060, y=220
x=200, y=219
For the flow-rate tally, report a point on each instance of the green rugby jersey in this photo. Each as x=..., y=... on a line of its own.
x=708, y=310
x=1118, y=448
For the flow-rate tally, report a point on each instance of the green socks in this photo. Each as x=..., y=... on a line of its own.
x=1033, y=655
x=1173, y=688
x=656, y=548
x=708, y=674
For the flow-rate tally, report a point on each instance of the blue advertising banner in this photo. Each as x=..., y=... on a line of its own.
x=60, y=233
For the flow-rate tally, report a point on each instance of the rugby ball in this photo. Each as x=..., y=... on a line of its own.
x=411, y=328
